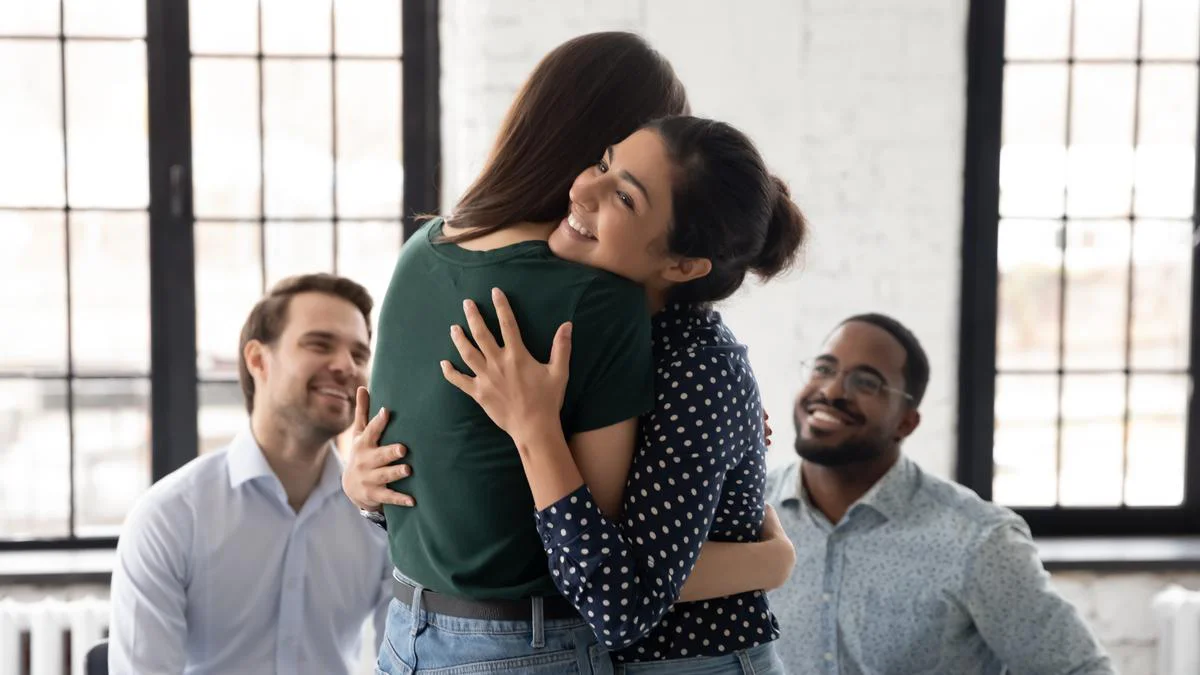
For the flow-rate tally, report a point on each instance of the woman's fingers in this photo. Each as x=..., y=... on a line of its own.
x=479, y=331
x=471, y=356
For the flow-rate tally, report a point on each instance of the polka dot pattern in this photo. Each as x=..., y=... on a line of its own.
x=698, y=474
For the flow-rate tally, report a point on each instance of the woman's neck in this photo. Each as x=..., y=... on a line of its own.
x=513, y=234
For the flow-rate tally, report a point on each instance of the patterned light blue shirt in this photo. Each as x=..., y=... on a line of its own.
x=921, y=576
x=217, y=574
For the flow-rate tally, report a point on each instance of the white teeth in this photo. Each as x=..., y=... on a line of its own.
x=334, y=392
x=575, y=225
x=825, y=417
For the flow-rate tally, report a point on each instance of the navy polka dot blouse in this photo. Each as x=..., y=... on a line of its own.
x=698, y=474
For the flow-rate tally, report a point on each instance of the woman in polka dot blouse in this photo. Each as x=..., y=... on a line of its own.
x=686, y=207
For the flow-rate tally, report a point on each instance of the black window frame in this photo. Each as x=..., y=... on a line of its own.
x=979, y=307
x=174, y=377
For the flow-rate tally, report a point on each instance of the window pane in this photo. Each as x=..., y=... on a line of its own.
x=1166, y=141
x=224, y=27
x=228, y=283
x=1032, y=180
x=1102, y=104
x=35, y=459
x=31, y=165
x=109, y=18
x=298, y=138
x=112, y=452
x=1027, y=326
x=370, y=180
x=1037, y=28
x=367, y=253
x=1106, y=28
x=29, y=18
x=1157, y=440
x=298, y=248
x=110, y=292
x=33, y=286
x=1162, y=283
x=368, y=27
x=296, y=26
x=1097, y=261
x=106, y=124
x=1092, y=437
x=222, y=414
x=1035, y=104
x=1170, y=29
x=1026, y=440
x=225, y=142
x=1100, y=171
x=1032, y=161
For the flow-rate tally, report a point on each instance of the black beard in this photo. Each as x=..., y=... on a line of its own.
x=856, y=451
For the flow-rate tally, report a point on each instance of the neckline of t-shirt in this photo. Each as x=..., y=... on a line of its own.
x=464, y=256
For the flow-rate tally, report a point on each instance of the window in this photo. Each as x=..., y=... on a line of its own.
x=163, y=165
x=1078, y=324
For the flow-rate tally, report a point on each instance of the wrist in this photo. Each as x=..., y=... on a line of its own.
x=538, y=433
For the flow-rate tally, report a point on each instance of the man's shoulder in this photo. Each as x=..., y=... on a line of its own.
x=957, y=505
x=178, y=491
x=781, y=483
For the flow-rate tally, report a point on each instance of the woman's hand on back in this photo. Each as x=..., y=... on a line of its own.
x=369, y=467
x=519, y=393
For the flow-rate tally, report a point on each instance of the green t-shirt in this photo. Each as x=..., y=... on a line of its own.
x=472, y=531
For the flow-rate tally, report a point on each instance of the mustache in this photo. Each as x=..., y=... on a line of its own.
x=840, y=404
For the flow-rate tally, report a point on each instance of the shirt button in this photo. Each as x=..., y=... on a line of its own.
x=828, y=656
x=826, y=597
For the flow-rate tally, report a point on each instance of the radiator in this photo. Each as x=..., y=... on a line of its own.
x=1177, y=613
x=49, y=636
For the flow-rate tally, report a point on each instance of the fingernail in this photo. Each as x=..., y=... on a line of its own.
x=568, y=329
x=495, y=292
x=467, y=305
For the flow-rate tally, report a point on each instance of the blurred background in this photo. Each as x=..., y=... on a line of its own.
x=1013, y=180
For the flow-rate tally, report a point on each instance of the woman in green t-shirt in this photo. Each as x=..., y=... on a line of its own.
x=472, y=584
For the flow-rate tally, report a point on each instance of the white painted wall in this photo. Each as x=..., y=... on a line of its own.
x=860, y=106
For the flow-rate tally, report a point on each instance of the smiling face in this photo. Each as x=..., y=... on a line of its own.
x=620, y=216
x=308, y=376
x=853, y=409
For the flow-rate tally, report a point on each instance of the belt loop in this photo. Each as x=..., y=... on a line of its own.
x=415, y=608
x=745, y=662
x=539, y=629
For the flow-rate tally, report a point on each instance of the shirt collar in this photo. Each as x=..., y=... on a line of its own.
x=247, y=462
x=889, y=497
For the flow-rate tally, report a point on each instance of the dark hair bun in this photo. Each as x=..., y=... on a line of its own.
x=786, y=231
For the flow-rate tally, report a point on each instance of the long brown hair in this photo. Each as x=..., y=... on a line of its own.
x=587, y=94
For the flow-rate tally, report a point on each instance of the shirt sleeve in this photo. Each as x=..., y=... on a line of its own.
x=1029, y=626
x=624, y=579
x=611, y=358
x=148, y=629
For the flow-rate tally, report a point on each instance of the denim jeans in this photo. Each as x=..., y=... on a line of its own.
x=417, y=641
x=760, y=660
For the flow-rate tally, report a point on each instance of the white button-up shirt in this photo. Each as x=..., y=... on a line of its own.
x=216, y=573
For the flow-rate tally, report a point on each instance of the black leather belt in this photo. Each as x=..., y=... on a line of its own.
x=553, y=606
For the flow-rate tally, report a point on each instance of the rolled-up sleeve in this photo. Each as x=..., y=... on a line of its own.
x=1030, y=627
x=148, y=631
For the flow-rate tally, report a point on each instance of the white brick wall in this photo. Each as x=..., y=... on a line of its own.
x=860, y=106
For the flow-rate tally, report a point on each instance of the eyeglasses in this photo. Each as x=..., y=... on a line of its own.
x=856, y=382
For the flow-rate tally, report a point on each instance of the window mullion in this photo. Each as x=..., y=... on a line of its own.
x=172, y=277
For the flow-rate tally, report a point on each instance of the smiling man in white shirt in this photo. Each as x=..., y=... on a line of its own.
x=250, y=559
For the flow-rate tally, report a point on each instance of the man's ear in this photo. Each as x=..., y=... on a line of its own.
x=908, y=424
x=255, y=353
x=687, y=269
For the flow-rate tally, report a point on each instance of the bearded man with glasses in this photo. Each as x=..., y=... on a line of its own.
x=898, y=571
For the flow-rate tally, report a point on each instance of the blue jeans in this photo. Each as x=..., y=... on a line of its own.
x=760, y=660
x=417, y=641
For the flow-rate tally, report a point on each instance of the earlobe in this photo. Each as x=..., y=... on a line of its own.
x=688, y=269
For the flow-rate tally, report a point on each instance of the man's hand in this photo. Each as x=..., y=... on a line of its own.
x=369, y=467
